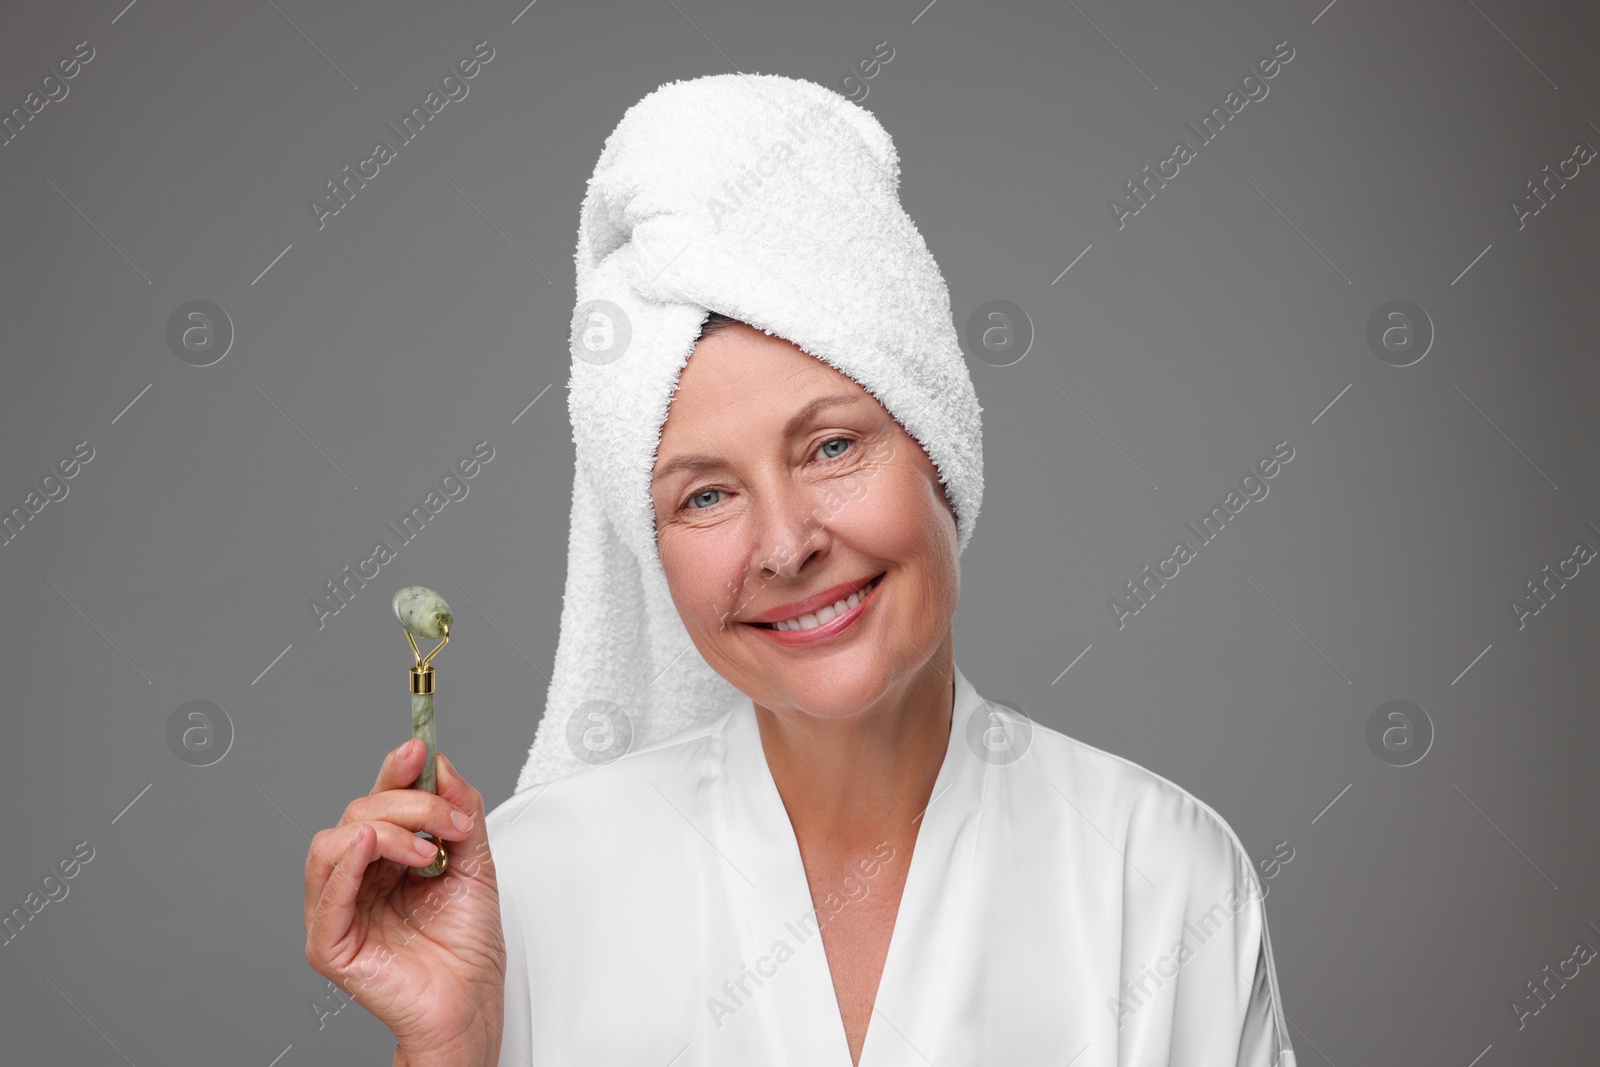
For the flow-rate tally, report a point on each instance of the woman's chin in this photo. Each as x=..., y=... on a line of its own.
x=832, y=687
x=834, y=706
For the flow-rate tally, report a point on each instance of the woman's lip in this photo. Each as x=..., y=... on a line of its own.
x=812, y=604
x=835, y=625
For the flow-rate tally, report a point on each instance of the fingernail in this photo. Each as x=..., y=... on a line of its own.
x=441, y=769
x=405, y=750
x=426, y=850
x=460, y=820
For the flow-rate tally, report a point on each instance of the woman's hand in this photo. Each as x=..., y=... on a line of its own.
x=425, y=955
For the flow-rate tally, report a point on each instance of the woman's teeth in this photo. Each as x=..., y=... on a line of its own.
x=829, y=613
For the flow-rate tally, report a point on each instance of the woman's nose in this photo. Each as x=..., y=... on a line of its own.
x=791, y=532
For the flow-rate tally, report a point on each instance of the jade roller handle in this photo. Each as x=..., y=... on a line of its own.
x=422, y=727
x=424, y=613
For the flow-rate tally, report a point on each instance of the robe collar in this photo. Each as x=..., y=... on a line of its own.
x=789, y=979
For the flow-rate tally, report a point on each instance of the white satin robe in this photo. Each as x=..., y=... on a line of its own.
x=1067, y=906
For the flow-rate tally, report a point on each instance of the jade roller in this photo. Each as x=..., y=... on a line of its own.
x=424, y=614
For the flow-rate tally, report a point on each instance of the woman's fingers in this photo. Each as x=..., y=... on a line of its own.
x=416, y=809
x=457, y=792
x=393, y=812
x=329, y=919
x=454, y=790
x=331, y=848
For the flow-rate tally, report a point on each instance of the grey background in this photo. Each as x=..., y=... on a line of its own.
x=428, y=315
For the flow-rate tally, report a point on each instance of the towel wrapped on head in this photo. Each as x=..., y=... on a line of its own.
x=774, y=201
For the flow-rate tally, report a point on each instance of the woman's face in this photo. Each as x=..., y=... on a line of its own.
x=777, y=478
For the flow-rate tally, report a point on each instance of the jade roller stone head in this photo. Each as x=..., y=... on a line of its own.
x=424, y=614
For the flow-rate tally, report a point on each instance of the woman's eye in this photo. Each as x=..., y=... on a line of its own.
x=689, y=505
x=834, y=440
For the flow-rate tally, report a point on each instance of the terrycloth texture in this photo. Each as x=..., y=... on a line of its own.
x=775, y=201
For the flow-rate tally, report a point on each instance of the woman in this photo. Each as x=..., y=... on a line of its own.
x=796, y=832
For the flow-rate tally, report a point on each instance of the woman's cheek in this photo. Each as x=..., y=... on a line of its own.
x=702, y=584
x=898, y=509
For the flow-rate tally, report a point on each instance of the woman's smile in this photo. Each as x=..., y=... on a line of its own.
x=825, y=623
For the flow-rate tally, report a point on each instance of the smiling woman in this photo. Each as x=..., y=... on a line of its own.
x=864, y=589
x=774, y=483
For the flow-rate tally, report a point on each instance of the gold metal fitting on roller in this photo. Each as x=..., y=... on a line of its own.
x=422, y=679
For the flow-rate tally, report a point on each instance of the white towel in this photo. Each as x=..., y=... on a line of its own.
x=775, y=201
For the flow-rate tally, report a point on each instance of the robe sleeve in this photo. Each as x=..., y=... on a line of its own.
x=1199, y=982
x=1243, y=958
x=1264, y=1039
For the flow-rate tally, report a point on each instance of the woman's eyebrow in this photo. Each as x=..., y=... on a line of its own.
x=792, y=427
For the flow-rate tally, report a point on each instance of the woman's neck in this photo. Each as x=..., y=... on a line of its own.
x=849, y=784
